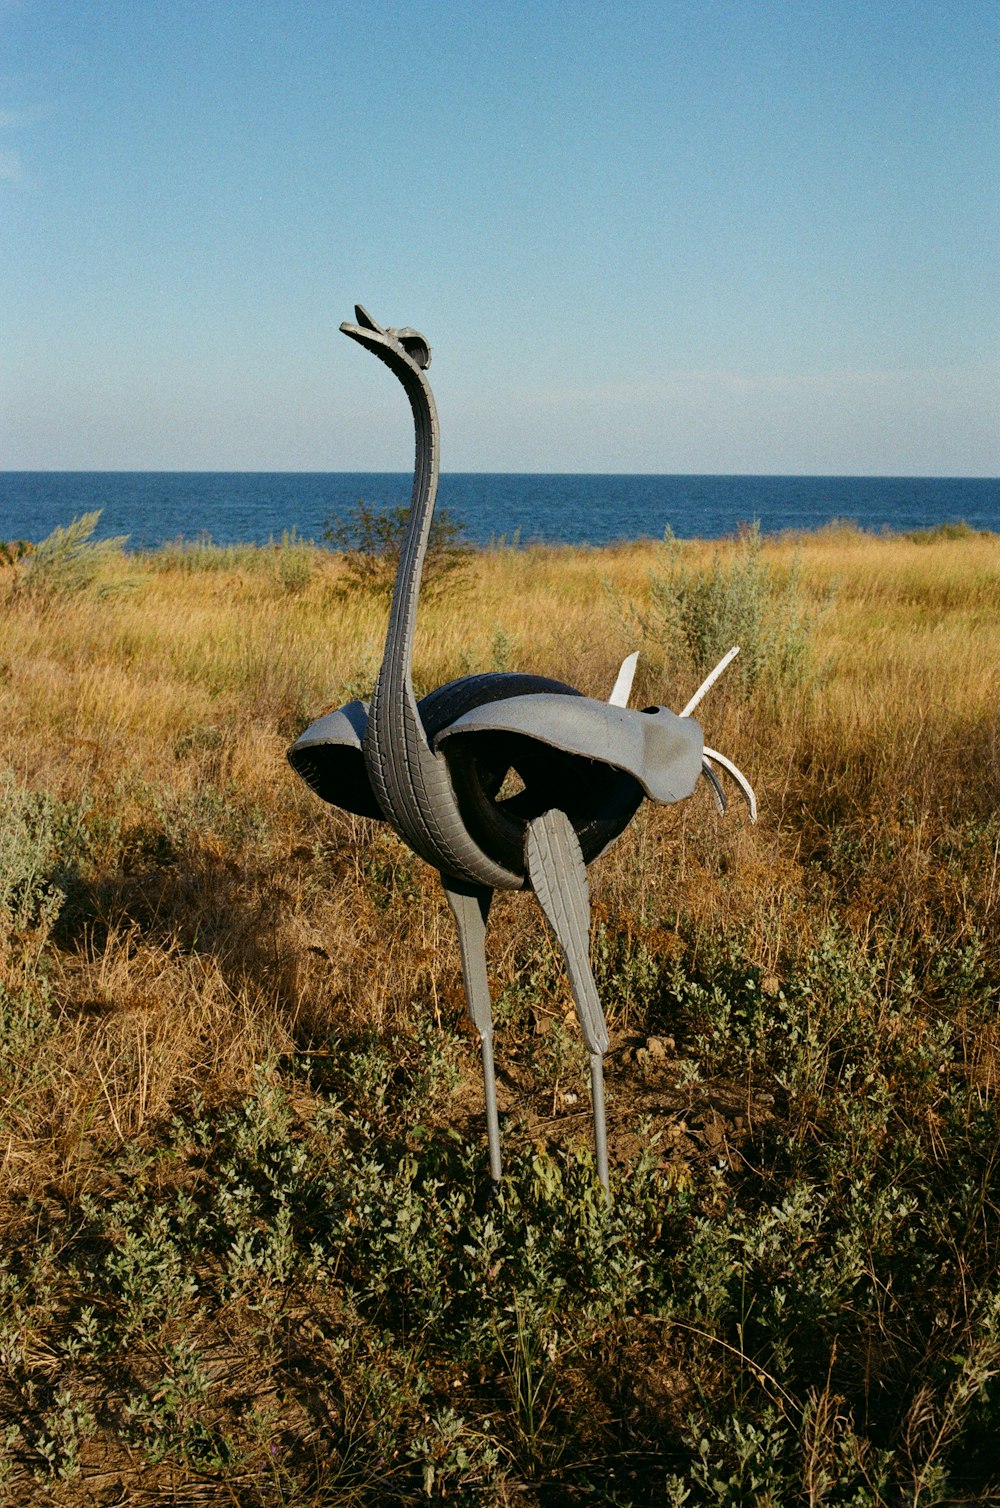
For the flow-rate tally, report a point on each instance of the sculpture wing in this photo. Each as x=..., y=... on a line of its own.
x=657, y=748
x=328, y=756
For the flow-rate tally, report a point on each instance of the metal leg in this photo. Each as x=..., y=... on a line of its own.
x=600, y=1129
x=470, y=905
x=492, y=1110
x=559, y=878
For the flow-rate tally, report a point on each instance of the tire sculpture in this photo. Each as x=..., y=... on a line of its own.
x=435, y=769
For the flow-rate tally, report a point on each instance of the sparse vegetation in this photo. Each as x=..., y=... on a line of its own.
x=250, y=1253
x=287, y=562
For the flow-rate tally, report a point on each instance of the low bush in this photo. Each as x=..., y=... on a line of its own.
x=371, y=537
x=67, y=560
x=697, y=612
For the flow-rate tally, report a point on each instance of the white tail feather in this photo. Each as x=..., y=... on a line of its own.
x=623, y=686
x=710, y=680
x=746, y=789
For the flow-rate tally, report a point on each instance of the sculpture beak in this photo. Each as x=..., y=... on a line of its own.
x=364, y=320
x=366, y=331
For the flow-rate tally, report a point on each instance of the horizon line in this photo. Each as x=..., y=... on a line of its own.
x=818, y=476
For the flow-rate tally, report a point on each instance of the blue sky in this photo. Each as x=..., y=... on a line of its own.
x=672, y=237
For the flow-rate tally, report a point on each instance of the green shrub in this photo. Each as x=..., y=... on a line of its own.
x=697, y=613
x=371, y=538
x=67, y=560
x=40, y=841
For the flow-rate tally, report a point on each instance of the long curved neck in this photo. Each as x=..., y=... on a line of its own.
x=397, y=659
x=411, y=783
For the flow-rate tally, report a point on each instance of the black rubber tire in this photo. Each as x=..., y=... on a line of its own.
x=599, y=800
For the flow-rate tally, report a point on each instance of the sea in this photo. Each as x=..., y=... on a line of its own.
x=157, y=507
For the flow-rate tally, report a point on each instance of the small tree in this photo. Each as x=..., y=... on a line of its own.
x=371, y=539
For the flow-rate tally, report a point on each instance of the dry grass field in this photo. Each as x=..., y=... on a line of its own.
x=250, y=1254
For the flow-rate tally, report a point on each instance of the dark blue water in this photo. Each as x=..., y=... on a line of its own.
x=155, y=506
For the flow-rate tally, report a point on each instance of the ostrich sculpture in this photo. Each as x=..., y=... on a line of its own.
x=434, y=769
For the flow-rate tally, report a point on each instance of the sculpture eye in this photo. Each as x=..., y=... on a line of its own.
x=417, y=349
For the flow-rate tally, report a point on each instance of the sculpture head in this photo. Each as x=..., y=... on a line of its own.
x=392, y=346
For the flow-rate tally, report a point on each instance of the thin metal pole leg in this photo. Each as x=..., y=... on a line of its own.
x=470, y=905
x=492, y=1111
x=600, y=1124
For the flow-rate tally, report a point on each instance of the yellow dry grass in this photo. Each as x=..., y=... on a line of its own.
x=166, y=698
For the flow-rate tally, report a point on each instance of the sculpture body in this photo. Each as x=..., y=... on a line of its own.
x=434, y=769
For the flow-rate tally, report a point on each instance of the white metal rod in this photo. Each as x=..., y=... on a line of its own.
x=710, y=680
